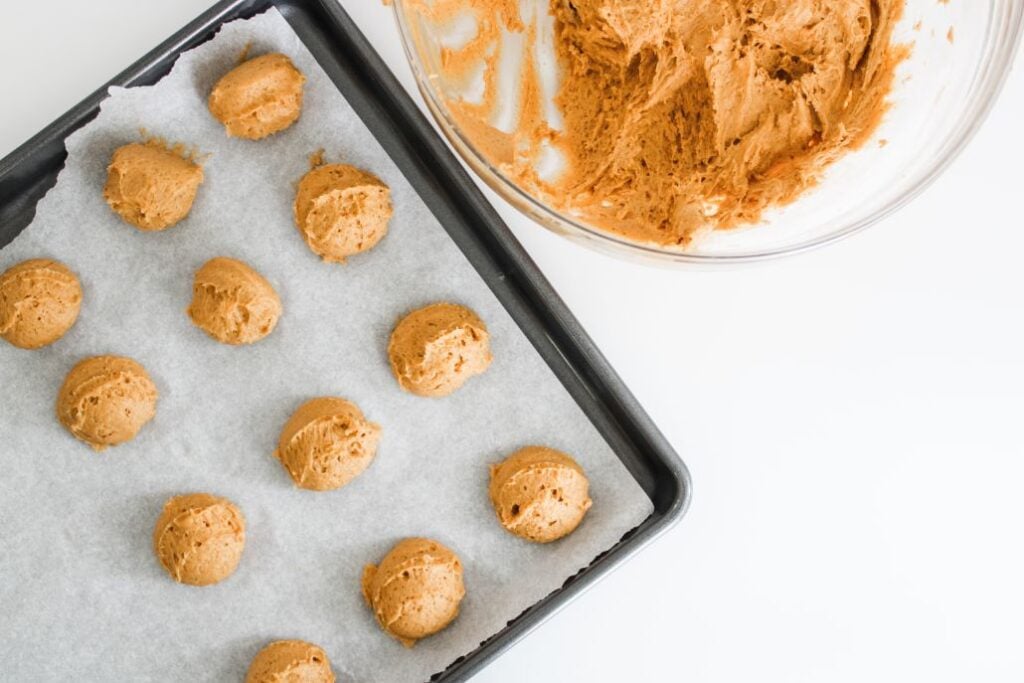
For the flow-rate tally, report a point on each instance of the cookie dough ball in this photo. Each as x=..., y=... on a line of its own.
x=259, y=97
x=199, y=538
x=327, y=443
x=233, y=303
x=105, y=400
x=290, y=661
x=39, y=302
x=416, y=589
x=150, y=186
x=436, y=349
x=341, y=211
x=539, y=494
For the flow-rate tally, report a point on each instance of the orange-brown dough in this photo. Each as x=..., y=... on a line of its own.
x=39, y=302
x=539, y=494
x=341, y=211
x=685, y=115
x=199, y=538
x=259, y=97
x=151, y=186
x=290, y=661
x=436, y=349
x=327, y=443
x=105, y=400
x=416, y=589
x=233, y=303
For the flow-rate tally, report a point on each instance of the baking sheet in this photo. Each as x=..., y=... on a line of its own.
x=81, y=595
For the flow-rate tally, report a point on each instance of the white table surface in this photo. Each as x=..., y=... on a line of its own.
x=852, y=417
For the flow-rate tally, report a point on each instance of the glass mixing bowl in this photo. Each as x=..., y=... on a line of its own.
x=961, y=53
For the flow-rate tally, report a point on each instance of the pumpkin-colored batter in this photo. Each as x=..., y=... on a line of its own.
x=680, y=115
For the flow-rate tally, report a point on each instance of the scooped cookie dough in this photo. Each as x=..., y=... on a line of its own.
x=39, y=302
x=327, y=443
x=539, y=494
x=436, y=349
x=260, y=97
x=290, y=661
x=416, y=589
x=233, y=303
x=199, y=538
x=341, y=211
x=105, y=400
x=150, y=186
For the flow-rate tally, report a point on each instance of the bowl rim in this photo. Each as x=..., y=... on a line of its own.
x=1002, y=38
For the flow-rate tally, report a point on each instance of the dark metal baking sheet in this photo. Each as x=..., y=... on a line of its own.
x=394, y=119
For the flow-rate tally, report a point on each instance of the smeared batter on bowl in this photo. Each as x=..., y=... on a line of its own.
x=680, y=115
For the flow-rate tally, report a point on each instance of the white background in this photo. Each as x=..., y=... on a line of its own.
x=852, y=417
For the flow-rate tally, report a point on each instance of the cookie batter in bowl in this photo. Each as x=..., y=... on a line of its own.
x=675, y=116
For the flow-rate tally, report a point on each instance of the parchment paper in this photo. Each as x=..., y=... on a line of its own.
x=82, y=596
